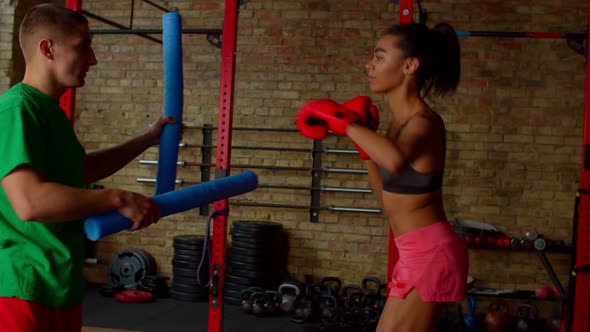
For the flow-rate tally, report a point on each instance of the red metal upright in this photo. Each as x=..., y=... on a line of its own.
x=224, y=130
x=406, y=13
x=67, y=101
x=581, y=308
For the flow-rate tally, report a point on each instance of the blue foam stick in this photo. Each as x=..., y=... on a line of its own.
x=173, y=101
x=101, y=225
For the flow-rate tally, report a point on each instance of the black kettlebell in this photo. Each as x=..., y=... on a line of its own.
x=333, y=283
x=259, y=302
x=245, y=295
x=370, y=285
x=273, y=306
x=527, y=316
x=329, y=307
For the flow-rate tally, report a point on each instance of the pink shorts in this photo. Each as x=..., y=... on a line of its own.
x=434, y=260
x=18, y=315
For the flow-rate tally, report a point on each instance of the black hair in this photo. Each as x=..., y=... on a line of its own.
x=439, y=54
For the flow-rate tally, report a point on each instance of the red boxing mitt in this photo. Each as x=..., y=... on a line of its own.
x=316, y=117
x=363, y=106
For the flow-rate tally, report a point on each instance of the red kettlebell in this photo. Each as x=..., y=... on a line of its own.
x=469, y=239
x=543, y=291
x=491, y=240
x=496, y=318
x=479, y=240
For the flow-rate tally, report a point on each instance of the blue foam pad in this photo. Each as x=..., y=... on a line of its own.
x=101, y=225
x=173, y=102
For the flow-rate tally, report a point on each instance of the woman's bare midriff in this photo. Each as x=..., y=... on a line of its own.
x=409, y=212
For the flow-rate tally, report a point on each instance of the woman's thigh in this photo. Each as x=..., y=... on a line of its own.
x=410, y=314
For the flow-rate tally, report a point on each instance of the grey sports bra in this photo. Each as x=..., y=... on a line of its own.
x=410, y=181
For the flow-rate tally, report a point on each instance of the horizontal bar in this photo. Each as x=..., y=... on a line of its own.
x=292, y=206
x=126, y=31
x=348, y=190
x=285, y=168
x=263, y=148
x=342, y=151
x=151, y=180
x=344, y=170
x=117, y=25
x=353, y=209
x=155, y=162
x=536, y=35
x=246, y=129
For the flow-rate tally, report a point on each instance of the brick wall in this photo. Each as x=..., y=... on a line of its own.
x=514, y=127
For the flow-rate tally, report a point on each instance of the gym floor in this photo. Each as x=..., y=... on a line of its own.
x=168, y=315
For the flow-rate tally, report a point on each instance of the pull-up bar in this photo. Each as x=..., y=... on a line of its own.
x=539, y=35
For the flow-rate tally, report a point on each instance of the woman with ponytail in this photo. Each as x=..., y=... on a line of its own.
x=406, y=169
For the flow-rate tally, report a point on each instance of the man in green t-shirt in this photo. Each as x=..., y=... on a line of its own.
x=44, y=174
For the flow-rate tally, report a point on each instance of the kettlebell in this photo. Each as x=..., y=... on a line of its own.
x=289, y=293
x=496, y=318
x=333, y=283
x=328, y=307
x=259, y=302
x=370, y=285
x=274, y=302
x=245, y=295
x=527, y=316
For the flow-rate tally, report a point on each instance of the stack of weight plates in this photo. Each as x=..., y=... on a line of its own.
x=128, y=268
x=186, y=284
x=256, y=258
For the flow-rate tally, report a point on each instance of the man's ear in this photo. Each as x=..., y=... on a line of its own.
x=46, y=48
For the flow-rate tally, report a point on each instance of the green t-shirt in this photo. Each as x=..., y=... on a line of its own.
x=39, y=261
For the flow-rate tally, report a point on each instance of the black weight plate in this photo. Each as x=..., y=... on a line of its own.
x=149, y=259
x=264, y=252
x=263, y=241
x=232, y=301
x=194, y=289
x=256, y=225
x=186, y=280
x=260, y=268
x=234, y=287
x=191, y=240
x=189, y=265
x=180, y=246
x=252, y=245
x=177, y=271
x=195, y=253
x=271, y=260
x=254, y=235
x=186, y=258
x=127, y=268
x=248, y=274
x=187, y=297
x=244, y=280
x=231, y=293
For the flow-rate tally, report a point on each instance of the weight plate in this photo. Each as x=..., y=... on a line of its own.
x=193, y=289
x=234, y=287
x=259, y=268
x=188, y=297
x=263, y=252
x=248, y=274
x=249, y=282
x=180, y=246
x=252, y=245
x=186, y=258
x=256, y=225
x=195, y=253
x=191, y=240
x=231, y=293
x=149, y=259
x=232, y=301
x=186, y=280
x=254, y=259
x=127, y=268
x=133, y=296
x=188, y=264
